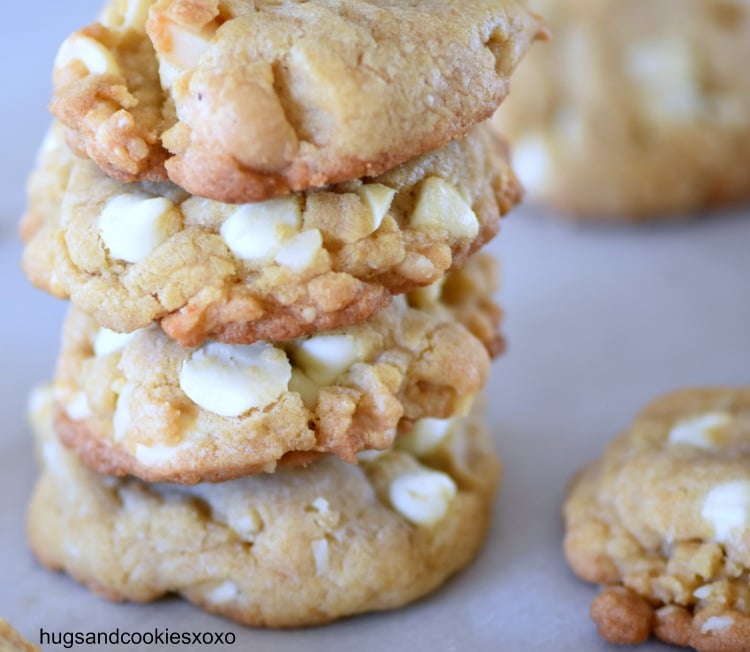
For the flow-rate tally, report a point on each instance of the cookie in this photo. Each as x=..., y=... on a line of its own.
x=663, y=520
x=254, y=107
x=299, y=547
x=631, y=114
x=141, y=404
x=12, y=641
x=274, y=270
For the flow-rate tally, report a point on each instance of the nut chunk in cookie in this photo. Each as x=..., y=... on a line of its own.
x=663, y=521
x=298, y=547
x=140, y=404
x=241, y=100
x=272, y=270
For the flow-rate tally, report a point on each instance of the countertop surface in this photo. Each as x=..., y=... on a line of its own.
x=599, y=321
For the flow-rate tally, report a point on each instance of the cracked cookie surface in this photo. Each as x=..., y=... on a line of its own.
x=253, y=107
x=274, y=270
x=630, y=114
x=141, y=404
x=296, y=548
x=663, y=520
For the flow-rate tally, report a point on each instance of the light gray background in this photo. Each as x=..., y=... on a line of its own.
x=599, y=321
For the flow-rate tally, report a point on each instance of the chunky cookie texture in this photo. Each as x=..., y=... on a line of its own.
x=140, y=404
x=630, y=114
x=243, y=101
x=663, y=521
x=272, y=270
x=299, y=547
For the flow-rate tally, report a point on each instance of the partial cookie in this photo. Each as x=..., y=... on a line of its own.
x=263, y=98
x=663, y=519
x=629, y=113
x=141, y=404
x=270, y=270
x=12, y=641
x=299, y=547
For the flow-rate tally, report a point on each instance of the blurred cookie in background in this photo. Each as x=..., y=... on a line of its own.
x=636, y=110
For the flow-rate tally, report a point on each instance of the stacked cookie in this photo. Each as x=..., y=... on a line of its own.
x=264, y=215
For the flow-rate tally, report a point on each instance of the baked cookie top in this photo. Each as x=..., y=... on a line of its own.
x=241, y=100
x=273, y=270
x=299, y=547
x=663, y=519
x=141, y=404
x=631, y=114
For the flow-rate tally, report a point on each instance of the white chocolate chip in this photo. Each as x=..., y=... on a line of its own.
x=78, y=408
x=665, y=73
x=440, y=205
x=532, y=161
x=369, y=456
x=707, y=430
x=716, y=624
x=257, y=232
x=727, y=509
x=131, y=226
x=92, y=54
x=157, y=454
x=422, y=496
x=320, y=554
x=121, y=421
x=320, y=505
x=323, y=358
x=427, y=296
x=299, y=253
x=244, y=520
x=378, y=199
x=136, y=13
x=225, y=592
x=185, y=48
x=39, y=406
x=231, y=379
x=107, y=341
x=702, y=592
x=426, y=436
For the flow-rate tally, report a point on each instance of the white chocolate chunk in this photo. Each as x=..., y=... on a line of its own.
x=131, y=226
x=422, y=496
x=39, y=406
x=428, y=295
x=107, y=341
x=121, y=421
x=320, y=505
x=231, y=379
x=257, y=232
x=426, y=436
x=716, y=624
x=440, y=205
x=156, y=454
x=378, y=199
x=323, y=358
x=665, y=73
x=78, y=408
x=299, y=253
x=244, y=520
x=702, y=592
x=136, y=14
x=320, y=554
x=92, y=54
x=185, y=48
x=225, y=592
x=708, y=430
x=532, y=161
x=368, y=456
x=727, y=509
